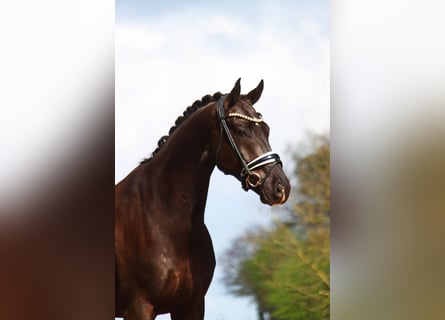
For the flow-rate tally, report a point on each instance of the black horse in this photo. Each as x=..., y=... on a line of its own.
x=164, y=254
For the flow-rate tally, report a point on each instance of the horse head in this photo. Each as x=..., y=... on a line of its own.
x=243, y=148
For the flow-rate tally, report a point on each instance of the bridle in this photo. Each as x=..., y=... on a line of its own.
x=247, y=176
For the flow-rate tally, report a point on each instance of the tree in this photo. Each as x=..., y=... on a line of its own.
x=285, y=268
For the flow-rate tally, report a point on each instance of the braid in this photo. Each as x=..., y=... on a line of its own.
x=186, y=114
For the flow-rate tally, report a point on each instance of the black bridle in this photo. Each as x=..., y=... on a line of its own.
x=247, y=176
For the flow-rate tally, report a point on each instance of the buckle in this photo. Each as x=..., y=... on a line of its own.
x=253, y=179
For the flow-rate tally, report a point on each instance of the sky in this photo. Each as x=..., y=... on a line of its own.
x=169, y=54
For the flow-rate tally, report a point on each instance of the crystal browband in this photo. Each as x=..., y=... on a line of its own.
x=243, y=116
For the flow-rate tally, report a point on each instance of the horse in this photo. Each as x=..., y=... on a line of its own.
x=164, y=257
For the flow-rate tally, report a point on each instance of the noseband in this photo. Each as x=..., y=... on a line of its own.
x=247, y=176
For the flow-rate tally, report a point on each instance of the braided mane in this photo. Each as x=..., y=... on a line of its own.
x=186, y=114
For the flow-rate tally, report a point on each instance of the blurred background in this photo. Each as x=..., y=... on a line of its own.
x=57, y=136
x=57, y=159
x=387, y=168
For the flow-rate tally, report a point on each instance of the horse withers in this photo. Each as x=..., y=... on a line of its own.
x=163, y=251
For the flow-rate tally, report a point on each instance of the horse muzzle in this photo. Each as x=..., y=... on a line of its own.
x=275, y=187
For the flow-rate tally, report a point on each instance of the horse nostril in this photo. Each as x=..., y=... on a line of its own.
x=279, y=190
x=280, y=193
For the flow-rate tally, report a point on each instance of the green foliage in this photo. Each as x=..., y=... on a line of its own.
x=286, y=268
x=313, y=185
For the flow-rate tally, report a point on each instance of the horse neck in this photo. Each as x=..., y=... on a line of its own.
x=189, y=149
x=185, y=163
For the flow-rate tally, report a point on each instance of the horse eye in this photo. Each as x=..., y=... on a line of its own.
x=241, y=132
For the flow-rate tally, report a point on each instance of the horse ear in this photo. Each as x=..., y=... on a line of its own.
x=255, y=94
x=234, y=95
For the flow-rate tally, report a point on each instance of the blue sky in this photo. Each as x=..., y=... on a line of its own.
x=247, y=9
x=169, y=54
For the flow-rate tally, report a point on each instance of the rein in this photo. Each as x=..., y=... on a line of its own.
x=247, y=175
